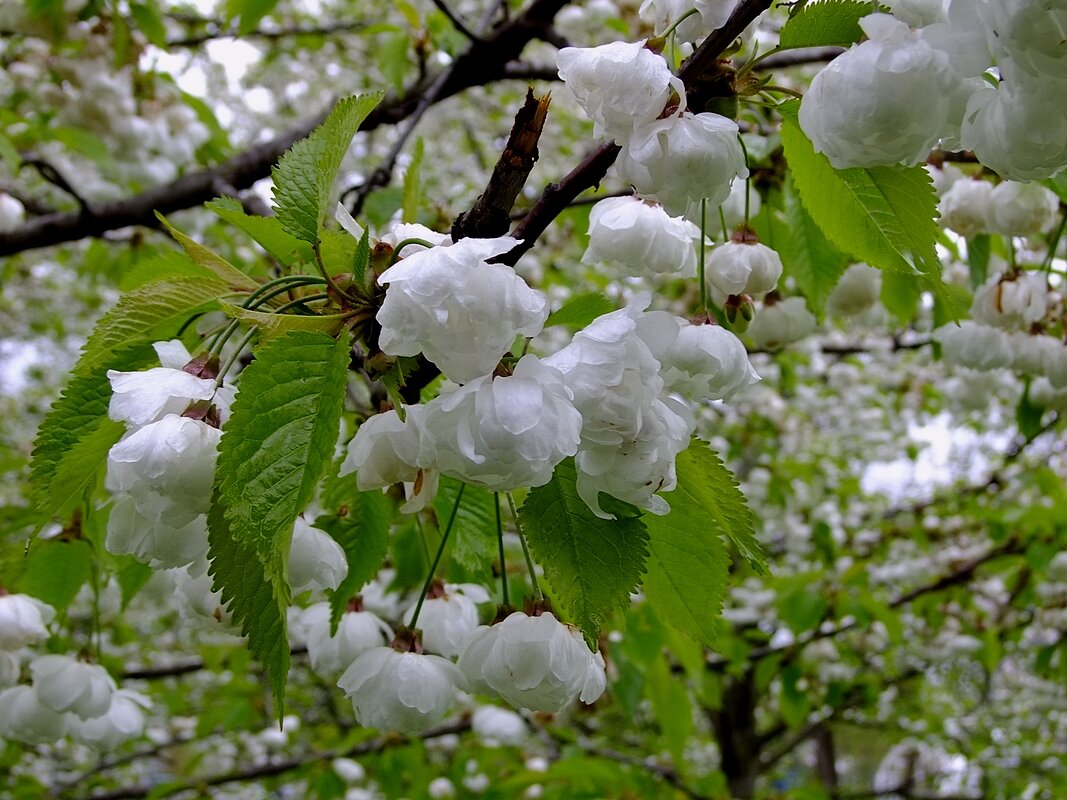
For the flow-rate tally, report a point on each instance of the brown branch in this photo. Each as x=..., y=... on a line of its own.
x=182, y=668
x=32, y=205
x=275, y=768
x=482, y=62
x=219, y=30
x=489, y=217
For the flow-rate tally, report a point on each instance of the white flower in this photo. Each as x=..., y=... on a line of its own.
x=918, y=13
x=974, y=345
x=1030, y=353
x=680, y=160
x=701, y=362
x=710, y=16
x=149, y=538
x=1012, y=303
x=857, y=290
x=65, y=684
x=618, y=85
x=385, y=451
x=23, y=620
x=315, y=559
x=24, y=718
x=9, y=669
x=441, y=789
x=447, y=618
x=641, y=237
x=357, y=632
x=503, y=433
x=635, y=470
x=460, y=311
x=943, y=177
x=534, y=662
x=174, y=457
x=612, y=374
x=11, y=212
x=499, y=727
x=1056, y=366
x=1016, y=132
x=124, y=720
x=885, y=101
x=1021, y=209
x=349, y=770
x=405, y=692
x=1026, y=37
x=195, y=599
x=782, y=323
x=743, y=267
x=139, y=398
x=965, y=207
x=1043, y=395
x=411, y=230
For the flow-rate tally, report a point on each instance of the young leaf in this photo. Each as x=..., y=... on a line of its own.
x=267, y=232
x=359, y=522
x=815, y=264
x=277, y=444
x=829, y=22
x=55, y=570
x=273, y=325
x=209, y=259
x=474, y=541
x=305, y=175
x=592, y=564
x=688, y=563
x=580, y=310
x=146, y=315
x=881, y=215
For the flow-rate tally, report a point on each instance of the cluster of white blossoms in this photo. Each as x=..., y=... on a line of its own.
x=1010, y=208
x=66, y=697
x=918, y=80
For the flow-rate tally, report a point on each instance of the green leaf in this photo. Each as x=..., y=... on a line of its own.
x=474, y=540
x=274, y=325
x=580, y=310
x=900, y=296
x=361, y=259
x=166, y=265
x=267, y=232
x=1028, y=415
x=9, y=153
x=277, y=445
x=413, y=183
x=131, y=575
x=305, y=175
x=359, y=522
x=209, y=259
x=979, y=250
x=150, y=22
x=881, y=215
x=56, y=570
x=75, y=436
x=592, y=564
x=672, y=707
x=815, y=264
x=829, y=22
x=146, y=314
x=250, y=12
x=338, y=250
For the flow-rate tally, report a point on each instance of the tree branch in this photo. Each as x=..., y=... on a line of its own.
x=218, y=30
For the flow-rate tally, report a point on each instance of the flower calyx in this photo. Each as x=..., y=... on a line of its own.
x=407, y=640
x=204, y=365
x=204, y=411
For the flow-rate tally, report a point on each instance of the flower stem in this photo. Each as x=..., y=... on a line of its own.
x=525, y=549
x=404, y=243
x=678, y=22
x=233, y=358
x=748, y=66
x=309, y=298
x=1054, y=243
x=321, y=267
x=437, y=557
x=701, y=254
x=725, y=230
x=500, y=543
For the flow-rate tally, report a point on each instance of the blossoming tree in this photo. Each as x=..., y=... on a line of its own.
x=691, y=429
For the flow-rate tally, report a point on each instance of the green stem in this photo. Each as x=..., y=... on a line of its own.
x=422, y=538
x=500, y=542
x=701, y=254
x=525, y=549
x=233, y=358
x=782, y=89
x=437, y=558
x=404, y=243
x=266, y=291
x=321, y=267
x=1053, y=244
x=752, y=62
x=678, y=22
x=748, y=176
x=311, y=298
x=1009, y=243
x=725, y=231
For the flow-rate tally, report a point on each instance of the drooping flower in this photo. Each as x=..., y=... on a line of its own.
x=503, y=433
x=974, y=345
x=642, y=238
x=22, y=620
x=782, y=323
x=742, y=266
x=65, y=684
x=24, y=718
x=357, y=632
x=458, y=310
x=1011, y=303
x=315, y=559
x=124, y=720
x=395, y=691
x=710, y=16
x=448, y=616
x=148, y=537
x=965, y=207
x=533, y=662
x=1016, y=131
x=1021, y=209
x=499, y=727
x=619, y=85
x=858, y=289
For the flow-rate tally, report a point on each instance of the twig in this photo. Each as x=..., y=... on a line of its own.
x=219, y=30
x=457, y=23
x=56, y=178
x=797, y=58
x=32, y=205
x=183, y=668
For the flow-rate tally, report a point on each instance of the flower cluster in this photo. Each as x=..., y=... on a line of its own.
x=916, y=81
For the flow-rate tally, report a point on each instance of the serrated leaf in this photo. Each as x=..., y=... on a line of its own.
x=277, y=445
x=580, y=310
x=73, y=440
x=815, y=264
x=305, y=175
x=167, y=265
x=592, y=564
x=146, y=314
x=361, y=260
x=359, y=522
x=267, y=232
x=413, y=184
x=829, y=22
x=209, y=259
x=338, y=250
x=881, y=215
x=900, y=295
x=724, y=503
x=274, y=325
x=255, y=593
x=474, y=535
x=55, y=571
